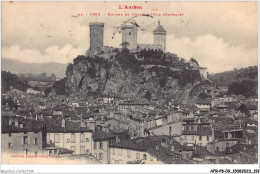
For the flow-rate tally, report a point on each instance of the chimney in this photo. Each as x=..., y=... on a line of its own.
x=172, y=148
x=63, y=123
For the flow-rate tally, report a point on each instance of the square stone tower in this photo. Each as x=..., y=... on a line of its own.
x=160, y=36
x=129, y=36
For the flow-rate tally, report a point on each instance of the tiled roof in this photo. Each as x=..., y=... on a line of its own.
x=55, y=126
x=98, y=135
x=159, y=29
x=28, y=125
x=152, y=145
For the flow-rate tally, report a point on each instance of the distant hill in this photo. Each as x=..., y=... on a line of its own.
x=237, y=75
x=19, y=67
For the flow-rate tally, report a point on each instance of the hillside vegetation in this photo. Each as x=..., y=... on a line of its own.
x=227, y=77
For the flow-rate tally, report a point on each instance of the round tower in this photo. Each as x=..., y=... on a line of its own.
x=96, y=37
x=129, y=36
x=160, y=36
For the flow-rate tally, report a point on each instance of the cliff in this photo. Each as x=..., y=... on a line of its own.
x=127, y=77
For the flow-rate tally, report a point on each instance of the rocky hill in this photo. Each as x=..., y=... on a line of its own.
x=128, y=77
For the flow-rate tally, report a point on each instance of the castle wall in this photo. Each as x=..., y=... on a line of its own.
x=149, y=47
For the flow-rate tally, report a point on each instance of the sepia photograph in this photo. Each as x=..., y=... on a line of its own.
x=140, y=82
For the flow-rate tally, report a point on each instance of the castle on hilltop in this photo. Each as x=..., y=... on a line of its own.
x=129, y=38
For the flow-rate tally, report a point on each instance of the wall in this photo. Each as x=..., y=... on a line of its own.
x=121, y=155
x=65, y=141
x=176, y=129
x=105, y=151
x=191, y=139
x=17, y=146
x=149, y=47
x=222, y=145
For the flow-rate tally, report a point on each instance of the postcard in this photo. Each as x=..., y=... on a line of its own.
x=140, y=82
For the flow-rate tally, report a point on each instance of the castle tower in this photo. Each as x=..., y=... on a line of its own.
x=160, y=36
x=129, y=35
x=96, y=37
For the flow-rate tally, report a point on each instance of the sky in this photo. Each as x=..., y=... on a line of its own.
x=219, y=35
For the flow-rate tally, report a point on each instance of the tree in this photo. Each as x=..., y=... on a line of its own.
x=203, y=95
x=246, y=88
x=243, y=108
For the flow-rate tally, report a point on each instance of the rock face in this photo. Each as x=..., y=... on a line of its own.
x=92, y=77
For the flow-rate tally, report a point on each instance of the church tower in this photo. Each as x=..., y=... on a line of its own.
x=160, y=36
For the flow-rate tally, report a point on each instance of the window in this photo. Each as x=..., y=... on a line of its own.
x=56, y=138
x=9, y=134
x=137, y=156
x=207, y=138
x=95, y=154
x=128, y=153
x=217, y=148
x=144, y=156
x=120, y=152
x=82, y=138
x=170, y=129
x=35, y=141
x=100, y=156
x=35, y=153
x=200, y=138
x=95, y=145
x=82, y=149
x=87, y=139
x=100, y=145
x=129, y=33
x=151, y=158
x=25, y=140
x=68, y=140
x=227, y=145
x=9, y=145
x=73, y=138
